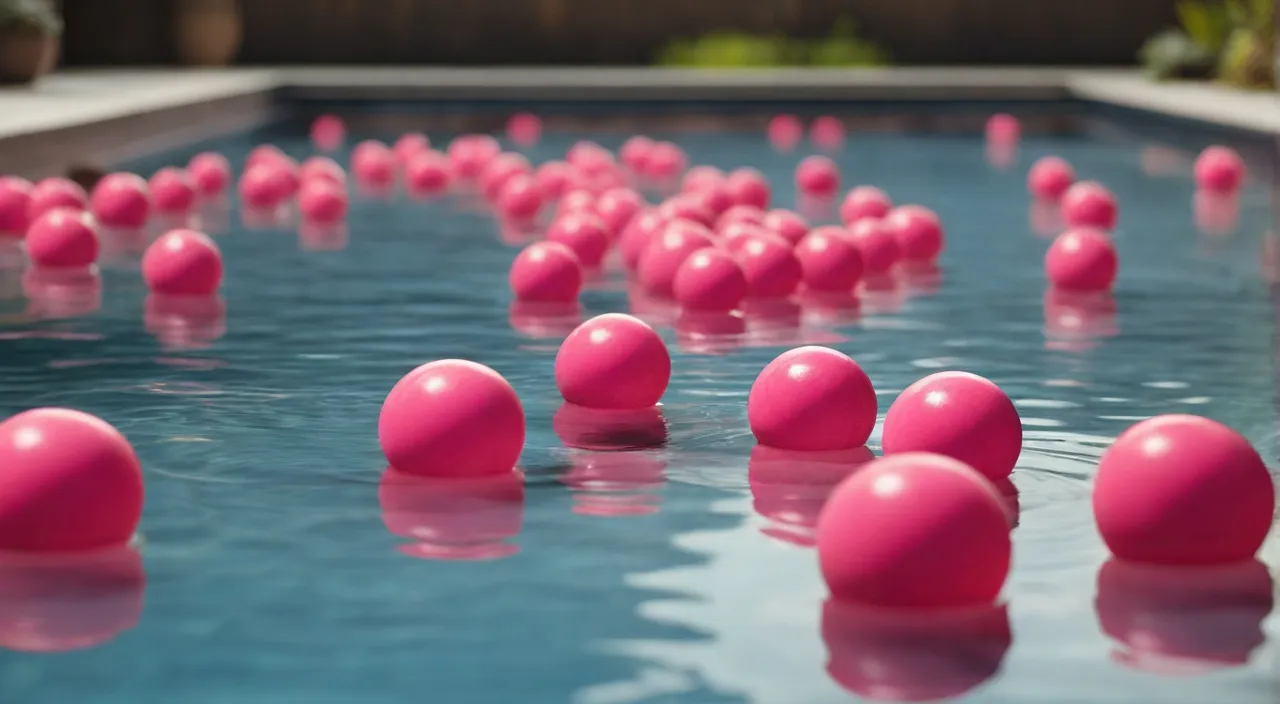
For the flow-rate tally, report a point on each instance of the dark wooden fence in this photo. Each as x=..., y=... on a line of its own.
x=1077, y=32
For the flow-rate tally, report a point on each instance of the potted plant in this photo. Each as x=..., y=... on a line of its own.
x=208, y=32
x=30, y=32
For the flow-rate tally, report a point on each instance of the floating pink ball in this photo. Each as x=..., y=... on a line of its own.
x=52, y=193
x=748, y=186
x=520, y=198
x=701, y=178
x=63, y=238
x=748, y=214
x=785, y=132
x=960, y=415
x=1219, y=170
x=736, y=235
x=864, y=202
x=771, y=268
x=322, y=168
x=714, y=197
x=1182, y=490
x=637, y=235
x=918, y=232
x=469, y=155
x=501, y=168
x=577, y=201
x=818, y=176
x=635, y=153
x=557, y=178
x=211, y=173
x=613, y=361
x=408, y=146
x=322, y=202
x=827, y=132
x=789, y=225
x=172, y=190
x=590, y=158
x=263, y=154
x=667, y=251
x=877, y=245
x=1089, y=204
x=546, y=272
x=829, y=262
x=666, y=161
x=428, y=173
x=373, y=164
x=710, y=280
x=1003, y=128
x=524, y=129
x=71, y=482
x=1049, y=178
x=452, y=418
x=812, y=398
x=182, y=263
x=689, y=207
x=328, y=132
x=1083, y=259
x=617, y=206
x=584, y=233
x=915, y=531
x=263, y=186
x=15, y=200
x=121, y=200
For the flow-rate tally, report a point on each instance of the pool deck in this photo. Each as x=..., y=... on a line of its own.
x=107, y=114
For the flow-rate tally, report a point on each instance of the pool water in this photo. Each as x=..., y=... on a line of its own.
x=275, y=571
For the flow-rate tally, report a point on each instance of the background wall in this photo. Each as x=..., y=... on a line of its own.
x=617, y=31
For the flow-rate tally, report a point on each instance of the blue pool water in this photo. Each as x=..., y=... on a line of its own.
x=659, y=576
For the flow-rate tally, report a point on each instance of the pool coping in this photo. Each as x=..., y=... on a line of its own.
x=109, y=114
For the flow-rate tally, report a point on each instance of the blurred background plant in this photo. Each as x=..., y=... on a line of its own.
x=844, y=46
x=1232, y=41
x=30, y=36
x=32, y=16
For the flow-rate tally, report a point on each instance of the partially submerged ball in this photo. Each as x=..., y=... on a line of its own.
x=613, y=361
x=812, y=398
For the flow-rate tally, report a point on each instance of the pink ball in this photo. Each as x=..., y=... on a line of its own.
x=771, y=268
x=877, y=245
x=63, y=238
x=1003, y=128
x=827, y=132
x=1089, y=204
x=785, y=132
x=408, y=146
x=714, y=197
x=322, y=168
x=452, y=418
x=52, y=193
x=613, y=361
x=1182, y=490
x=818, y=176
x=121, y=200
x=688, y=207
x=1083, y=259
x=1219, y=170
x=373, y=164
x=1049, y=178
x=182, y=263
x=546, y=272
x=263, y=186
x=557, y=178
x=748, y=214
x=617, y=206
x=810, y=399
x=918, y=232
x=864, y=202
x=700, y=178
x=749, y=187
x=635, y=153
x=637, y=235
x=520, y=199
x=264, y=154
x=469, y=155
x=328, y=132
x=501, y=168
x=960, y=415
x=915, y=531
x=211, y=173
x=15, y=199
x=172, y=190
x=710, y=280
x=829, y=261
x=577, y=201
x=428, y=173
x=788, y=225
x=667, y=251
x=735, y=236
x=666, y=161
x=583, y=233
x=524, y=128
x=68, y=482
x=322, y=202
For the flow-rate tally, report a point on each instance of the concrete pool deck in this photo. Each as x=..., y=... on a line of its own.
x=107, y=114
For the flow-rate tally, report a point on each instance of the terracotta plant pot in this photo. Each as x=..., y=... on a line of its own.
x=208, y=32
x=25, y=55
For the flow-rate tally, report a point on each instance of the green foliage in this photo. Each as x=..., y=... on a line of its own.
x=842, y=47
x=1230, y=40
x=32, y=15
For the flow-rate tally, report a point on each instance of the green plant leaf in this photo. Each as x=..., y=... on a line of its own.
x=1207, y=24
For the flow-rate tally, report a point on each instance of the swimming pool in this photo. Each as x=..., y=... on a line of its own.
x=276, y=571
